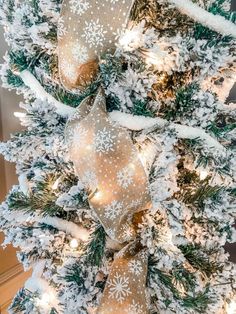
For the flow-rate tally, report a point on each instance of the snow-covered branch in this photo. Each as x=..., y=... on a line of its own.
x=138, y=123
x=31, y=82
x=73, y=229
x=215, y=22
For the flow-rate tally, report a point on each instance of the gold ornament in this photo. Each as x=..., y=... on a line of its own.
x=108, y=164
x=87, y=29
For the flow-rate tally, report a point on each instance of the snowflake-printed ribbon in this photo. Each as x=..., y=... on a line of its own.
x=94, y=34
x=108, y=165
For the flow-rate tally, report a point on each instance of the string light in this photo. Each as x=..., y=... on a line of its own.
x=19, y=114
x=89, y=147
x=154, y=56
x=74, y=243
x=132, y=166
x=203, y=174
x=231, y=307
x=56, y=183
x=45, y=300
x=129, y=39
x=98, y=195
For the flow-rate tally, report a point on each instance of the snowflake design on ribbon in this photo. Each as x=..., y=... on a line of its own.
x=61, y=30
x=68, y=69
x=125, y=177
x=135, y=267
x=81, y=134
x=104, y=141
x=113, y=210
x=128, y=232
x=119, y=288
x=79, y=53
x=135, y=203
x=94, y=33
x=135, y=308
x=79, y=6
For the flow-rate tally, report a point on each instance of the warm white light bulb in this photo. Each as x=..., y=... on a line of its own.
x=98, y=195
x=153, y=59
x=45, y=298
x=129, y=38
x=19, y=114
x=44, y=301
x=132, y=166
x=203, y=174
x=74, y=243
x=89, y=147
x=56, y=183
x=231, y=308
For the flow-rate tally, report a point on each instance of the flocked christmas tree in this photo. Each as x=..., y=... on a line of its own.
x=168, y=129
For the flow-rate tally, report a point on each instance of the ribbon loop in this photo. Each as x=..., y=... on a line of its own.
x=88, y=28
x=108, y=164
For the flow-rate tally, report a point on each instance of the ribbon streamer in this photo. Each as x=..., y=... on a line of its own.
x=87, y=29
x=108, y=164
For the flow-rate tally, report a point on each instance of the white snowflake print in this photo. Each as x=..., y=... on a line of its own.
x=135, y=267
x=104, y=141
x=119, y=288
x=94, y=34
x=61, y=30
x=135, y=203
x=79, y=53
x=68, y=70
x=143, y=256
x=79, y=6
x=113, y=210
x=135, y=308
x=125, y=177
x=80, y=134
x=89, y=179
x=128, y=232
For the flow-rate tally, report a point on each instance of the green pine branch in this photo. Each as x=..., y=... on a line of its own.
x=75, y=275
x=213, y=38
x=198, y=257
x=96, y=247
x=180, y=278
x=197, y=197
x=22, y=300
x=42, y=198
x=184, y=102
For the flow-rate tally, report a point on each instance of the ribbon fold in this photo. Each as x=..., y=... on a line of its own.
x=103, y=153
x=87, y=29
x=108, y=164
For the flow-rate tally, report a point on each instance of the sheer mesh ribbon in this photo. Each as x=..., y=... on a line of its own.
x=108, y=164
x=87, y=29
x=104, y=156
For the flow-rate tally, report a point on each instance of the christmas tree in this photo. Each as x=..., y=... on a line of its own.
x=126, y=166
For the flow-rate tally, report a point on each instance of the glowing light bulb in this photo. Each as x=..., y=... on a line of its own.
x=19, y=114
x=129, y=39
x=203, y=174
x=153, y=59
x=74, y=243
x=231, y=308
x=56, y=183
x=132, y=166
x=45, y=300
x=98, y=195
